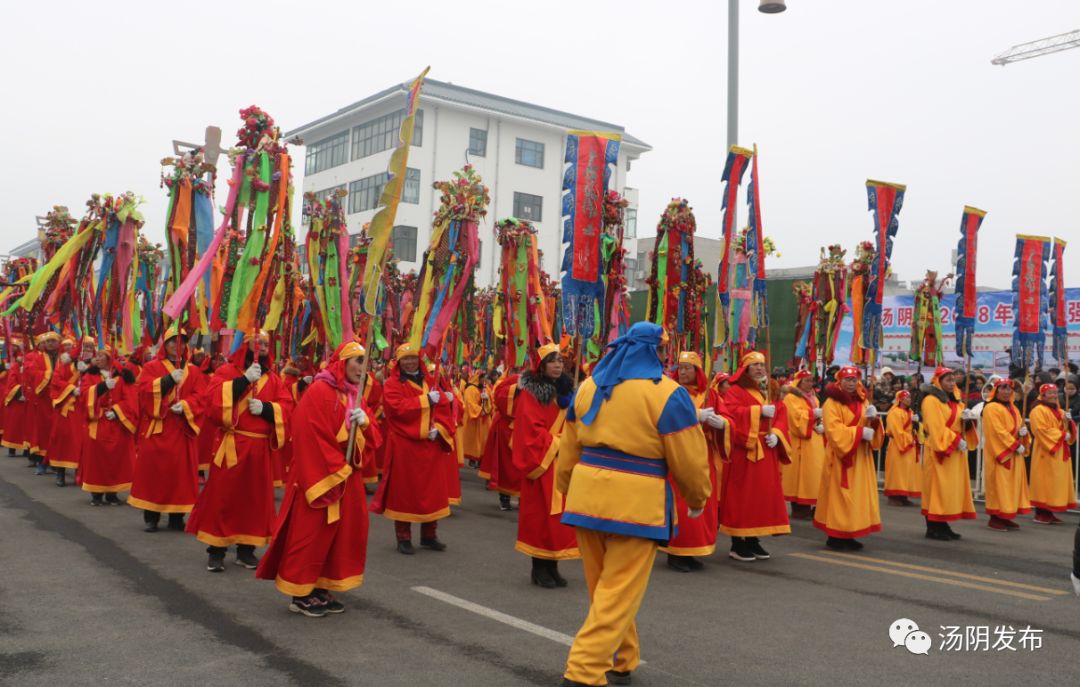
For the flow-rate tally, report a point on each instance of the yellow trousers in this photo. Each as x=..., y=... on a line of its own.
x=617, y=570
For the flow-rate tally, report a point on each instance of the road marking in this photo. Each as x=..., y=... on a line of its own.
x=919, y=576
x=966, y=576
x=498, y=616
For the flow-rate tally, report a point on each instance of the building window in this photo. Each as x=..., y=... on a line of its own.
x=410, y=192
x=630, y=223
x=529, y=153
x=403, y=241
x=364, y=194
x=528, y=206
x=327, y=153
x=382, y=134
x=630, y=266
x=478, y=142
x=321, y=196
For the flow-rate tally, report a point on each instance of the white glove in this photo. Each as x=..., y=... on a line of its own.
x=768, y=411
x=695, y=512
x=177, y=375
x=771, y=441
x=434, y=396
x=819, y=428
x=704, y=414
x=105, y=374
x=177, y=408
x=967, y=414
x=1020, y=450
x=962, y=446
x=1023, y=431
x=915, y=417
x=871, y=412
x=253, y=373
x=110, y=415
x=358, y=416
x=484, y=396
x=867, y=434
x=65, y=358
x=255, y=406
x=308, y=380
x=818, y=413
x=716, y=421
x=81, y=366
x=432, y=434
x=75, y=392
x=110, y=382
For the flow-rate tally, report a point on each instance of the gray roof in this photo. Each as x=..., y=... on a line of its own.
x=487, y=101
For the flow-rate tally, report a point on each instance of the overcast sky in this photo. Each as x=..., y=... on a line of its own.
x=832, y=91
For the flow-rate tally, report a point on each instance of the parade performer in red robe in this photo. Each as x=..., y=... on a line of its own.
x=70, y=432
x=413, y=488
x=16, y=431
x=37, y=375
x=320, y=539
x=171, y=398
x=110, y=402
x=250, y=404
x=697, y=536
x=541, y=411
x=752, y=502
x=497, y=464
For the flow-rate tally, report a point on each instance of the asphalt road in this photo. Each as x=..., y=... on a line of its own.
x=86, y=597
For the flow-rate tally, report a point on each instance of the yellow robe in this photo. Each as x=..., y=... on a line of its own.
x=946, y=493
x=1004, y=472
x=1051, y=460
x=802, y=476
x=903, y=474
x=847, y=504
x=476, y=422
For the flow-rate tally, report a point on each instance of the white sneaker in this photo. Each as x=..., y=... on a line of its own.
x=1076, y=584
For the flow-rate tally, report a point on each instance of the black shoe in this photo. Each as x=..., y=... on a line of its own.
x=150, y=526
x=938, y=535
x=405, y=547
x=176, y=522
x=854, y=545
x=329, y=603
x=95, y=500
x=60, y=481
x=433, y=544
x=678, y=563
x=836, y=544
x=113, y=500
x=619, y=677
x=695, y=564
x=504, y=503
x=755, y=549
x=245, y=557
x=741, y=552
x=307, y=605
x=553, y=568
x=541, y=576
x=951, y=534
x=216, y=562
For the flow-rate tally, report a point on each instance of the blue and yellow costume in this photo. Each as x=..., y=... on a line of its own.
x=627, y=428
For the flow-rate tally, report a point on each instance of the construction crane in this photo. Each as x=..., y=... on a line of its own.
x=1043, y=46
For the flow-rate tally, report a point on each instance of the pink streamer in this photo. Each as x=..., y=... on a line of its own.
x=182, y=295
x=347, y=333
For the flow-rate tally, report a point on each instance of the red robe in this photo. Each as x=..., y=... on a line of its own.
x=15, y=429
x=537, y=431
x=320, y=538
x=697, y=536
x=752, y=497
x=447, y=419
x=414, y=485
x=166, y=468
x=37, y=375
x=237, y=504
x=108, y=453
x=497, y=464
x=70, y=429
x=373, y=392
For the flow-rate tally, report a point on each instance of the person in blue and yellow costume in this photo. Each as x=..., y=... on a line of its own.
x=950, y=430
x=847, y=505
x=1005, y=441
x=752, y=501
x=802, y=476
x=628, y=427
x=697, y=536
x=541, y=412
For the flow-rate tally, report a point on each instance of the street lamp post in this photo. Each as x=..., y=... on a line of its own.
x=765, y=7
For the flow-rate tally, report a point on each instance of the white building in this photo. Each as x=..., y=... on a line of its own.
x=517, y=148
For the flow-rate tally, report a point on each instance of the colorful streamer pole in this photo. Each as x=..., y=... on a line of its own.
x=1030, y=300
x=885, y=201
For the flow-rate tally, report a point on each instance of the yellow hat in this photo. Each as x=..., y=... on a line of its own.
x=350, y=349
x=690, y=357
x=547, y=349
x=752, y=357
x=404, y=351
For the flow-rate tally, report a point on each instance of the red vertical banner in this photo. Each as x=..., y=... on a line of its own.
x=589, y=215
